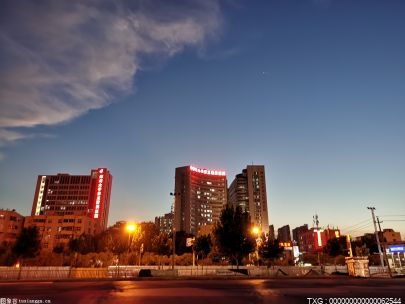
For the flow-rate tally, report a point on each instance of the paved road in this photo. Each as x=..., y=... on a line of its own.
x=205, y=291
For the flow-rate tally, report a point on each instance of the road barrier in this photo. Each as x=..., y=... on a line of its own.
x=131, y=272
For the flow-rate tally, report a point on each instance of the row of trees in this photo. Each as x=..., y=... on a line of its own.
x=231, y=242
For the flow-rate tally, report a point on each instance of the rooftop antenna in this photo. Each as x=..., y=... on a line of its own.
x=315, y=221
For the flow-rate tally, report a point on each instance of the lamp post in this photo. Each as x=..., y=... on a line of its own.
x=130, y=228
x=174, y=194
x=256, y=231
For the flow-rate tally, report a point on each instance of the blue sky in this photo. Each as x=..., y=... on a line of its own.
x=312, y=89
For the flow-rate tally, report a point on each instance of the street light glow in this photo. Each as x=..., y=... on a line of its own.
x=130, y=227
x=255, y=230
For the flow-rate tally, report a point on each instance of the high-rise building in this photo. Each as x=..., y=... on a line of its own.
x=199, y=197
x=284, y=234
x=297, y=232
x=74, y=195
x=248, y=190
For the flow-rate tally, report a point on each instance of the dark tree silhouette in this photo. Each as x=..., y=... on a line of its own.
x=202, y=245
x=233, y=236
x=28, y=243
x=84, y=244
x=181, y=241
x=162, y=244
x=270, y=251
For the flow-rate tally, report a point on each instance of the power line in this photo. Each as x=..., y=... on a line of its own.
x=359, y=229
x=359, y=223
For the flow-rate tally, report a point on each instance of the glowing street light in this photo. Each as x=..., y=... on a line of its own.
x=130, y=228
x=255, y=230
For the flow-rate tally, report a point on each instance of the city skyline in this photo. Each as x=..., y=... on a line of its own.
x=313, y=90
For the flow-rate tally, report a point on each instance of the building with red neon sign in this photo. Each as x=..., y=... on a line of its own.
x=315, y=239
x=199, y=197
x=71, y=204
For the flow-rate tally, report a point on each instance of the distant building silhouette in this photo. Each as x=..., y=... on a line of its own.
x=284, y=234
x=271, y=232
x=164, y=223
x=297, y=232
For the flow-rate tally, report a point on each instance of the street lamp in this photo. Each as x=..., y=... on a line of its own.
x=130, y=228
x=174, y=194
x=256, y=232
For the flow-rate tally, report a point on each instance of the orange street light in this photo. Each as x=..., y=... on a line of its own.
x=130, y=227
x=255, y=230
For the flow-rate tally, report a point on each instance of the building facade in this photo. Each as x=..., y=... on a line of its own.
x=11, y=224
x=315, y=239
x=165, y=223
x=297, y=232
x=248, y=190
x=199, y=197
x=390, y=236
x=284, y=233
x=74, y=195
x=57, y=230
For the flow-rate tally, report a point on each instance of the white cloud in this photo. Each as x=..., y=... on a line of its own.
x=60, y=59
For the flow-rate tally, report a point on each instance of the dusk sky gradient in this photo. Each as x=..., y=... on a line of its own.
x=314, y=90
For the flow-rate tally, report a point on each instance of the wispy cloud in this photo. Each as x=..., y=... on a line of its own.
x=60, y=59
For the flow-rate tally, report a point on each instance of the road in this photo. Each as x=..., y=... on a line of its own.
x=181, y=291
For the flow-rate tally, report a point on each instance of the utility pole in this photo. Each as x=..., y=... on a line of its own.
x=376, y=235
x=384, y=249
x=174, y=194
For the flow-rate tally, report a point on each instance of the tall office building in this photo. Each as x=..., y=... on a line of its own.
x=284, y=234
x=74, y=195
x=248, y=190
x=199, y=197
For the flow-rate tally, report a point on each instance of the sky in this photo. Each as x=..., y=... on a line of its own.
x=314, y=90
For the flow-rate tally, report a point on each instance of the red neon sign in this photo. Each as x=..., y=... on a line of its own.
x=99, y=192
x=208, y=172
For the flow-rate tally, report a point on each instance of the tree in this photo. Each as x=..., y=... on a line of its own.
x=332, y=247
x=148, y=232
x=181, y=241
x=232, y=234
x=362, y=250
x=202, y=245
x=28, y=243
x=6, y=254
x=270, y=250
x=162, y=244
x=336, y=246
x=84, y=244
